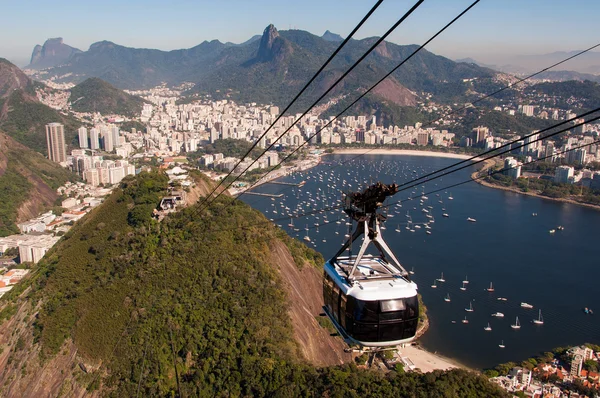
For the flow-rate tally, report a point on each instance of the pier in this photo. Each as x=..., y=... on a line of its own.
x=301, y=183
x=263, y=194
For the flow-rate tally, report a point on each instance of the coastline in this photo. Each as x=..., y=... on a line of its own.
x=427, y=361
x=490, y=163
x=410, y=152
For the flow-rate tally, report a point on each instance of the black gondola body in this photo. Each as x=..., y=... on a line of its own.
x=370, y=299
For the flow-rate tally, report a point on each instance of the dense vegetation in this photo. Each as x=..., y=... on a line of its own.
x=96, y=95
x=500, y=123
x=387, y=114
x=587, y=92
x=14, y=190
x=193, y=304
x=25, y=171
x=549, y=188
x=26, y=119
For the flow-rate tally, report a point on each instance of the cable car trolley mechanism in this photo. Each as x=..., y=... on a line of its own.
x=370, y=299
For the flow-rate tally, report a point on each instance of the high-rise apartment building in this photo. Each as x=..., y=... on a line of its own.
x=83, y=137
x=55, y=139
x=94, y=139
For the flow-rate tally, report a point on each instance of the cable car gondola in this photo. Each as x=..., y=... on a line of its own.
x=370, y=299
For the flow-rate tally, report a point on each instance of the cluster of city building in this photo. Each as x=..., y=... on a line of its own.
x=536, y=382
x=218, y=161
x=8, y=278
x=39, y=234
x=92, y=167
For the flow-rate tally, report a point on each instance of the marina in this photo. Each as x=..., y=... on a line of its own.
x=470, y=254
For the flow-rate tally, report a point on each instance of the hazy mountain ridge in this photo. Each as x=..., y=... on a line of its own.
x=290, y=59
x=54, y=52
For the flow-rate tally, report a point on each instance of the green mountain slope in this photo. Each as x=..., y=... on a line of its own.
x=587, y=92
x=28, y=183
x=193, y=305
x=96, y=95
x=22, y=115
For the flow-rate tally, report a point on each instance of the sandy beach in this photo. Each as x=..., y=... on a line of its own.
x=427, y=361
x=380, y=151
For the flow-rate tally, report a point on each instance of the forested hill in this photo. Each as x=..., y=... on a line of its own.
x=28, y=182
x=22, y=115
x=191, y=306
x=96, y=95
x=586, y=91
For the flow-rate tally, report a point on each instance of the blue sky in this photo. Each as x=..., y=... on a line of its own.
x=491, y=31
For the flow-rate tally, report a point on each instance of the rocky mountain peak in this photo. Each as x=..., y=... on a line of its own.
x=54, y=52
x=329, y=36
x=271, y=44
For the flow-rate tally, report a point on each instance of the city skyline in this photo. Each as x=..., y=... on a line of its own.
x=490, y=32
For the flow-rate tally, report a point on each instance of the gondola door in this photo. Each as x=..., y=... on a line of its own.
x=336, y=302
x=343, y=301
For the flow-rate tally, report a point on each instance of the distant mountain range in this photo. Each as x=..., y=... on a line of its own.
x=272, y=68
x=582, y=65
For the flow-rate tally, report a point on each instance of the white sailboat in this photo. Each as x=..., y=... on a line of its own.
x=539, y=320
x=470, y=309
x=463, y=287
x=441, y=278
x=434, y=284
x=488, y=328
x=447, y=298
x=516, y=325
x=501, y=345
x=466, y=280
x=306, y=237
x=491, y=288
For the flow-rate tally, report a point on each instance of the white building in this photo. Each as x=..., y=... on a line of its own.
x=527, y=110
x=564, y=174
x=512, y=167
x=83, y=137
x=33, y=249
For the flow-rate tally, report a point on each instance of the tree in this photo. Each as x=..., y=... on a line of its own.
x=590, y=365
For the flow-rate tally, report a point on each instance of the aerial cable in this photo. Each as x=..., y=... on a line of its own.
x=476, y=159
x=331, y=208
x=337, y=50
x=365, y=93
x=450, y=113
x=499, y=171
x=456, y=170
x=381, y=39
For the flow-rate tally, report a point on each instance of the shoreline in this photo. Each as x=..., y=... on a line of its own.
x=410, y=152
x=490, y=163
x=427, y=361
